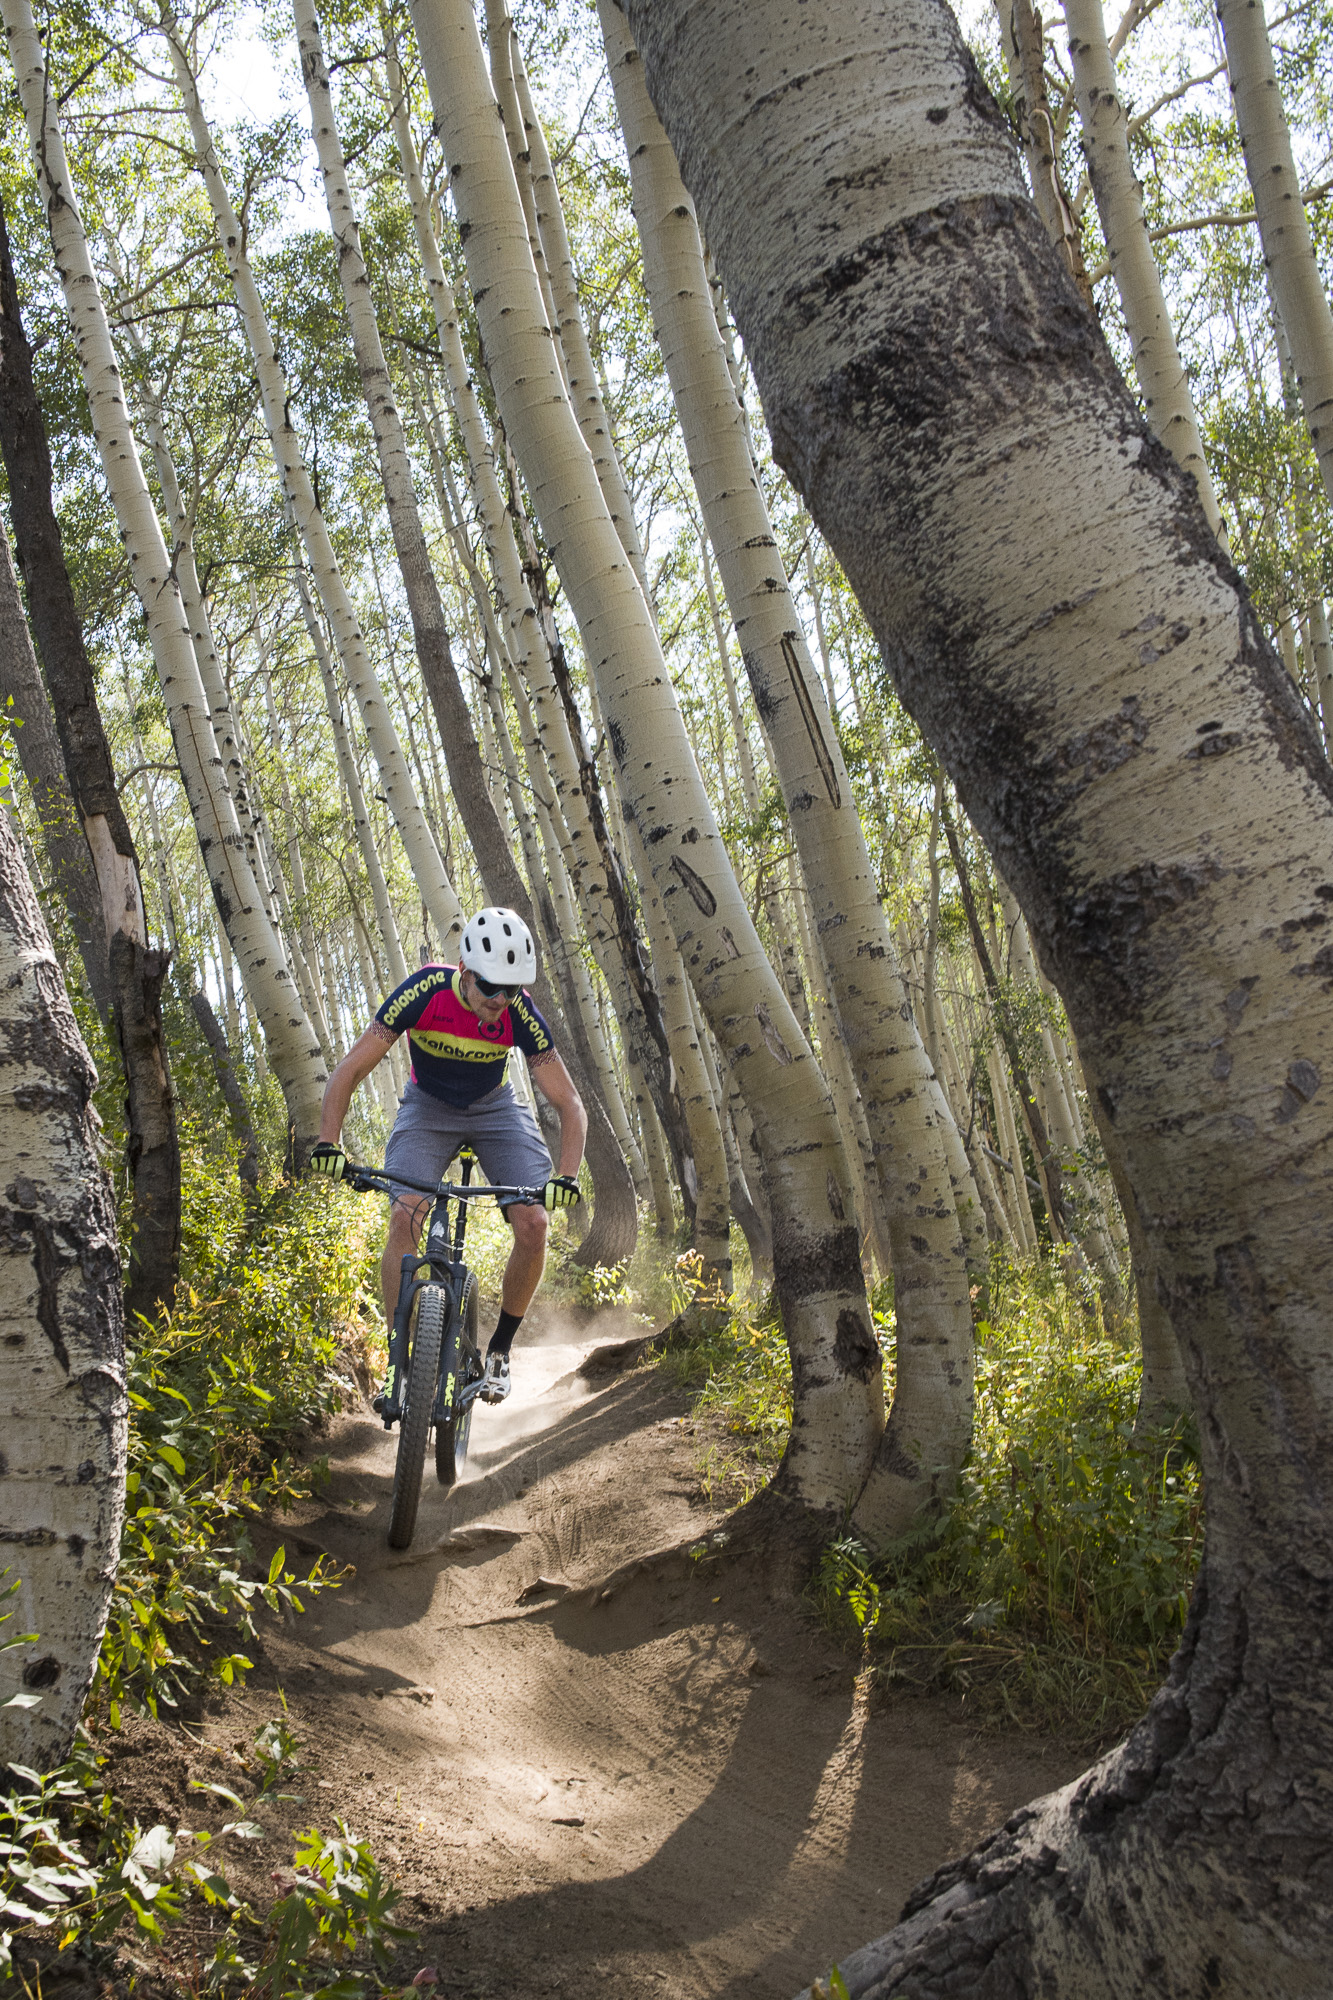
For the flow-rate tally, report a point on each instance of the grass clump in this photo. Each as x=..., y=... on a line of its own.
x=1055, y=1591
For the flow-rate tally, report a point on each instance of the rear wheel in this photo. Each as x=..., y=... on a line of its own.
x=432, y=1309
x=459, y=1367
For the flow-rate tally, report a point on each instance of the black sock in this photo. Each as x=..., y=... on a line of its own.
x=503, y=1337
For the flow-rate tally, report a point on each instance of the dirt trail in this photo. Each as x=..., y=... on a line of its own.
x=674, y=1790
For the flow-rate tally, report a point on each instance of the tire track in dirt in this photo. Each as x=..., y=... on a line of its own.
x=675, y=1789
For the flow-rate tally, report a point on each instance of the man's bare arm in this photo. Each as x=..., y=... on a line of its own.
x=556, y=1085
x=355, y=1067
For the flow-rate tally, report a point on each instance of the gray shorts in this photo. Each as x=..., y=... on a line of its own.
x=501, y=1131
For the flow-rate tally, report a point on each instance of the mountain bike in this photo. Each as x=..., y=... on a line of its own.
x=435, y=1365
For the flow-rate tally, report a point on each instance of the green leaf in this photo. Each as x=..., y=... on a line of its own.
x=275, y=1567
x=170, y=1456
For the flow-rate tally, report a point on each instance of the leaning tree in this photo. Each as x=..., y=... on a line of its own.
x=1065, y=628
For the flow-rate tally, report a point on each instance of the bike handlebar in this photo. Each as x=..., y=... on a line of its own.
x=370, y=1180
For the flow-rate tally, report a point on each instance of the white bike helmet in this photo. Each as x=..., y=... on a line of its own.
x=497, y=944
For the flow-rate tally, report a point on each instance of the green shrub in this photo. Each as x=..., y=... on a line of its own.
x=219, y=1392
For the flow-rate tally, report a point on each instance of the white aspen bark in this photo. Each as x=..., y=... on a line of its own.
x=821, y=636
x=836, y=1371
x=1006, y=1133
x=292, y=1046
x=437, y=893
x=63, y=1407
x=1162, y=374
x=931, y=1423
x=1128, y=746
x=585, y=390
x=1284, y=226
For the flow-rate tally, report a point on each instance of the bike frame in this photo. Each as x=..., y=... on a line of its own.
x=440, y=1261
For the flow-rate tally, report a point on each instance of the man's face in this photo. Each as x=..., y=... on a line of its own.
x=486, y=1008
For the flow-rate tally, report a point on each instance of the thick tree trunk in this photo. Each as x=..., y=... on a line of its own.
x=940, y=396
x=838, y=1390
x=1162, y=375
x=44, y=768
x=613, y=1233
x=62, y=1346
x=134, y=969
x=1284, y=226
x=931, y=1425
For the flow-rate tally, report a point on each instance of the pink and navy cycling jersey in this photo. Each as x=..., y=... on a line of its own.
x=455, y=1056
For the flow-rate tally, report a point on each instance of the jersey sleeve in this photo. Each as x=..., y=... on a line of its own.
x=407, y=1003
x=531, y=1033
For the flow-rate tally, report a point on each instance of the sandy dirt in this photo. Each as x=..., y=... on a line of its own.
x=676, y=1788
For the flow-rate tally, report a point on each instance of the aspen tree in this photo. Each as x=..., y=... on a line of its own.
x=838, y=1391
x=62, y=1346
x=529, y=140
x=135, y=969
x=606, y=919
x=1064, y=627
x=931, y=1424
x=437, y=892
x=1284, y=228
x=293, y=1048
x=1162, y=375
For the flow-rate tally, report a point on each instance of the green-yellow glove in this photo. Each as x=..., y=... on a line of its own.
x=329, y=1159
x=561, y=1192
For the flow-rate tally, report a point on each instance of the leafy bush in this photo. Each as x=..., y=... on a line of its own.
x=334, y=1898
x=219, y=1390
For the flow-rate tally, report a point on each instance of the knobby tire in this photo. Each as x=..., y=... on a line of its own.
x=451, y=1434
x=414, y=1429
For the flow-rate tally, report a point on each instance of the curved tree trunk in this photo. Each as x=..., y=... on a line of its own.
x=528, y=139
x=1162, y=375
x=931, y=1424
x=1024, y=46
x=615, y=1232
x=293, y=1049
x=62, y=1343
x=836, y=1371
x=1284, y=227
x=593, y=869
x=939, y=393
x=437, y=891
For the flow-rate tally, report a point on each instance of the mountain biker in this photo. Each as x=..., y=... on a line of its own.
x=461, y=1023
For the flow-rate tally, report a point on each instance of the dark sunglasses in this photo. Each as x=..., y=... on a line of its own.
x=495, y=992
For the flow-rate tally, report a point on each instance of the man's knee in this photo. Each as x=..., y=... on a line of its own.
x=529, y=1225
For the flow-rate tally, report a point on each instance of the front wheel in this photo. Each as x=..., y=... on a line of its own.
x=458, y=1368
x=432, y=1308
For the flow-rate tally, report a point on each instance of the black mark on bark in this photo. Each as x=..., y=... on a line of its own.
x=699, y=889
x=810, y=718
x=854, y=1347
